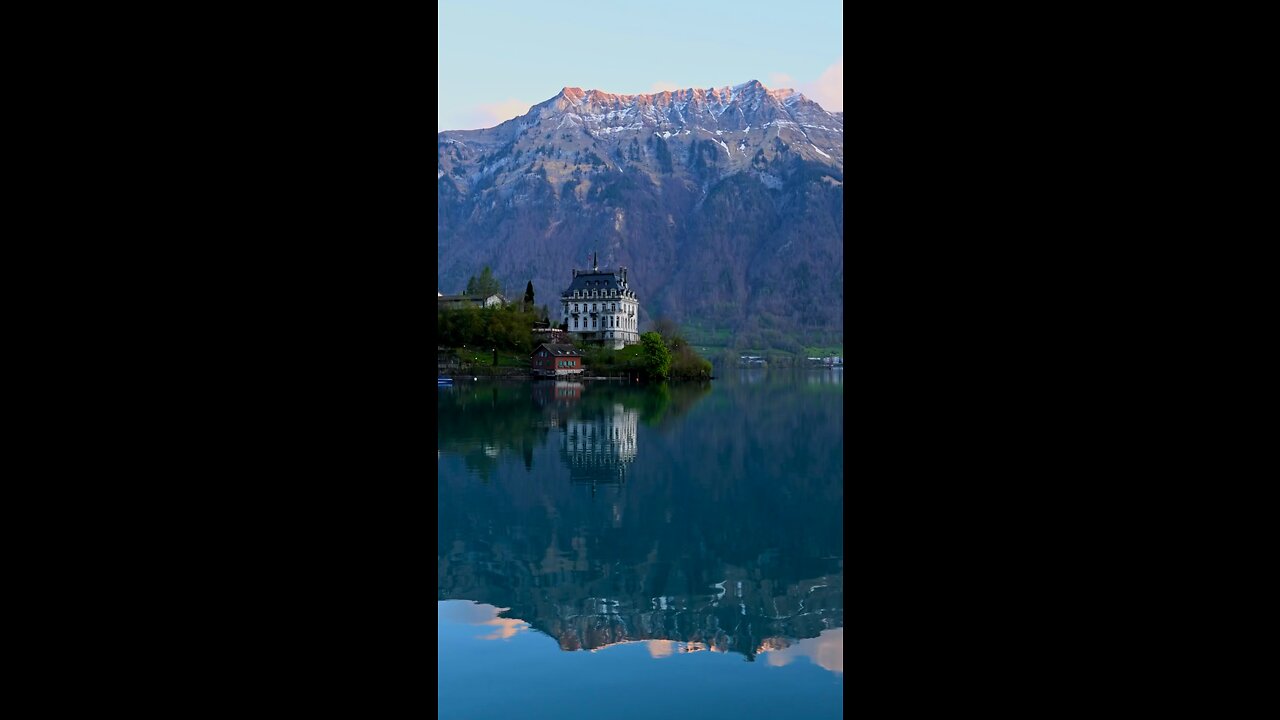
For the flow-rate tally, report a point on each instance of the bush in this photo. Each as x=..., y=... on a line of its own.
x=688, y=365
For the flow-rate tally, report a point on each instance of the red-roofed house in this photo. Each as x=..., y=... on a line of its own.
x=552, y=359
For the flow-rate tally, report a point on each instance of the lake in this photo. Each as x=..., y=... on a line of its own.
x=618, y=551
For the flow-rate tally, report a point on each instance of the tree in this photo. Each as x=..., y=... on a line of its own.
x=528, y=296
x=485, y=285
x=670, y=332
x=655, y=358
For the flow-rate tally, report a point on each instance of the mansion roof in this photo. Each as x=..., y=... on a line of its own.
x=602, y=280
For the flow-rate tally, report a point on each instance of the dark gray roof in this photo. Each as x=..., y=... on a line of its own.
x=605, y=280
x=559, y=349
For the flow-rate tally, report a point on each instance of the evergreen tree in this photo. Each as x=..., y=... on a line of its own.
x=528, y=296
x=485, y=285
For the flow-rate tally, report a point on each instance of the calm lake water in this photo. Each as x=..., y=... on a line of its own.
x=609, y=551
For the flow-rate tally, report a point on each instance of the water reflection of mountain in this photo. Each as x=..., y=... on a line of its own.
x=727, y=533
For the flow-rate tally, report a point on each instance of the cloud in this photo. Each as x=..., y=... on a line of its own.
x=826, y=651
x=482, y=615
x=494, y=113
x=664, y=85
x=660, y=648
x=465, y=611
x=506, y=628
x=828, y=89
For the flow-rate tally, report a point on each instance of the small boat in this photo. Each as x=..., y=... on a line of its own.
x=442, y=381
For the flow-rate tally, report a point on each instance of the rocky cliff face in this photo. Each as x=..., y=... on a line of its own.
x=726, y=204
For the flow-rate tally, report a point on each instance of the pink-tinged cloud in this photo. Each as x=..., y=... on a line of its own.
x=483, y=615
x=506, y=628
x=828, y=89
x=662, y=85
x=660, y=648
x=826, y=651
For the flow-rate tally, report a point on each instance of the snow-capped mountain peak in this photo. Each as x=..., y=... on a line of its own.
x=751, y=113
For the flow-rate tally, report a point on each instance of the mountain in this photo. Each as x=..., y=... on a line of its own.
x=726, y=206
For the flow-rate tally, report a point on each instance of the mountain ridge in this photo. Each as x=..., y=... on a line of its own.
x=725, y=203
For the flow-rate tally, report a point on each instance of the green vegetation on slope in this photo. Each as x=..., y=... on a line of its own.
x=505, y=328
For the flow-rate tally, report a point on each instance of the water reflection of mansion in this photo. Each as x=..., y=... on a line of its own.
x=599, y=449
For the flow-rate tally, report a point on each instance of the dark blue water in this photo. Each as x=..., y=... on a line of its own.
x=621, y=552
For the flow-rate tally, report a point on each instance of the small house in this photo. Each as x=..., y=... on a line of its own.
x=458, y=302
x=555, y=359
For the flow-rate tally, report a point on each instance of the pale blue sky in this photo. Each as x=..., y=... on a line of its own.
x=498, y=57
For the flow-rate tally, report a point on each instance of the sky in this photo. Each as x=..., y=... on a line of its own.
x=499, y=57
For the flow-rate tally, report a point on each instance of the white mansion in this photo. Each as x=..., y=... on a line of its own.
x=600, y=306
